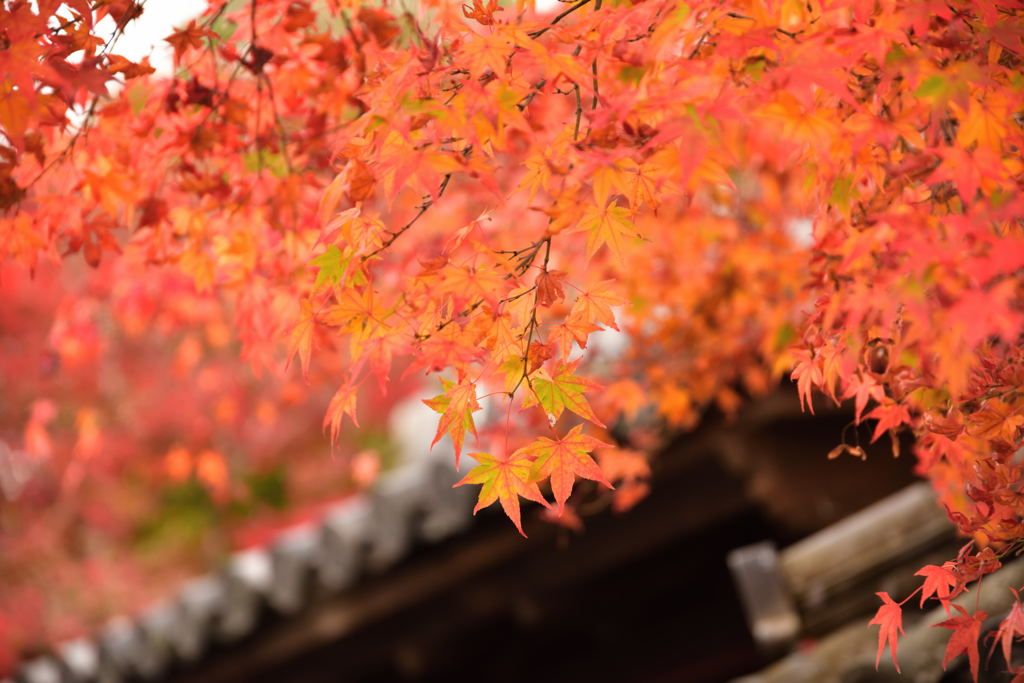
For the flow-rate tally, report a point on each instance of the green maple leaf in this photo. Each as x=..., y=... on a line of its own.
x=560, y=390
x=335, y=268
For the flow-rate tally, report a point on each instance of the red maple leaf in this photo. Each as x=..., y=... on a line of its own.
x=549, y=287
x=861, y=388
x=889, y=416
x=966, y=631
x=940, y=582
x=1010, y=628
x=889, y=619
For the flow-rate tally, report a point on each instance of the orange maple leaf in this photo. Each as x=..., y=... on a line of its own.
x=342, y=403
x=563, y=461
x=595, y=305
x=456, y=405
x=301, y=341
x=997, y=420
x=484, y=14
x=609, y=225
x=574, y=329
x=505, y=479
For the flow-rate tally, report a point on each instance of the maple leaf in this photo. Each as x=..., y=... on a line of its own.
x=940, y=582
x=505, y=479
x=562, y=389
x=334, y=268
x=122, y=65
x=456, y=405
x=807, y=374
x=889, y=620
x=190, y=36
x=624, y=464
x=964, y=639
x=342, y=403
x=862, y=387
x=484, y=14
x=563, y=460
x=549, y=287
x=536, y=355
x=609, y=225
x=912, y=209
x=1010, y=628
x=997, y=420
x=960, y=167
x=381, y=23
x=485, y=54
x=889, y=416
x=574, y=329
x=596, y=304
x=361, y=181
x=982, y=123
x=302, y=336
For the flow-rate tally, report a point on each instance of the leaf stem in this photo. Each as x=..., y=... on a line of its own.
x=530, y=328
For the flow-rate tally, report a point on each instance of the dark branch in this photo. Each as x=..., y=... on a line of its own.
x=538, y=33
x=422, y=209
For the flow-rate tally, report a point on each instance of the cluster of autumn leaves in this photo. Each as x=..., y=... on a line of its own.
x=742, y=190
x=149, y=270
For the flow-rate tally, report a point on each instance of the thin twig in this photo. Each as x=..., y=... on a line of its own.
x=83, y=127
x=700, y=43
x=579, y=112
x=259, y=90
x=579, y=101
x=70, y=22
x=525, y=257
x=278, y=123
x=530, y=328
x=525, y=102
x=422, y=209
x=538, y=33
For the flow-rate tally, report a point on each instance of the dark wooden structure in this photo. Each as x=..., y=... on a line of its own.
x=406, y=585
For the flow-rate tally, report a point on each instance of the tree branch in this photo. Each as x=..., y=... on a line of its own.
x=538, y=33
x=422, y=210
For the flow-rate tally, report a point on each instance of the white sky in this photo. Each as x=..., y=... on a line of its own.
x=145, y=35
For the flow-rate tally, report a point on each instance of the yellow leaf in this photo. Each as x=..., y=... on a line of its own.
x=983, y=124
x=606, y=225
